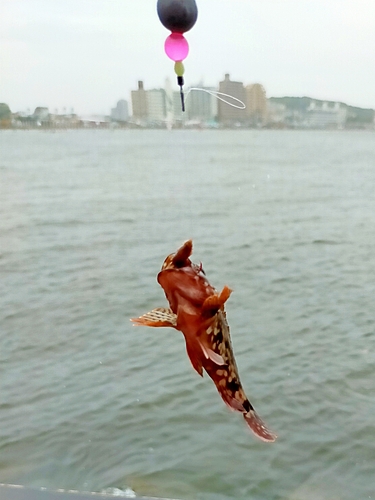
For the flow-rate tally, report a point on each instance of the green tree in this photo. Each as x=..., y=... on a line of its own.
x=5, y=112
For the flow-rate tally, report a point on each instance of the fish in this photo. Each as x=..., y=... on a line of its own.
x=196, y=309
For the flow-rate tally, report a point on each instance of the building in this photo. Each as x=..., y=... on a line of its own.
x=41, y=115
x=231, y=114
x=256, y=104
x=169, y=117
x=149, y=106
x=201, y=105
x=326, y=115
x=178, y=115
x=156, y=105
x=139, y=103
x=121, y=112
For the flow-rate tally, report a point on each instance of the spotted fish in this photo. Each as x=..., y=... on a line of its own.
x=197, y=310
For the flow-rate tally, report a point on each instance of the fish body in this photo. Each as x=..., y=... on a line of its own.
x=197, y=310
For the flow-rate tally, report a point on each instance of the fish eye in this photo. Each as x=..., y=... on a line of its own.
x=168, y=263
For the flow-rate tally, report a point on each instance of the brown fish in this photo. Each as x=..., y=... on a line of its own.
x=197, y=310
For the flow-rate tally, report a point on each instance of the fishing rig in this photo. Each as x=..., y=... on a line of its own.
x=178, y=16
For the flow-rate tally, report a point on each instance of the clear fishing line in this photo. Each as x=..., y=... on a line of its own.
x=220, y=96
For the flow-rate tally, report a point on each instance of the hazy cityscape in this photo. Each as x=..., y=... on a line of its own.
x=206, y=107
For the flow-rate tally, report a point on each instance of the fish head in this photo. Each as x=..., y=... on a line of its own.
x=182, y=280
x=179, y=259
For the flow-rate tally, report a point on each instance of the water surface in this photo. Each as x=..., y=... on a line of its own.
x=285, y=218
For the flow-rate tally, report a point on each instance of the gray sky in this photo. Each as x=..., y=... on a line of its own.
x=87, y=54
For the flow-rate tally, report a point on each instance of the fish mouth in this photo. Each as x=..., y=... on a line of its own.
x=180, y=258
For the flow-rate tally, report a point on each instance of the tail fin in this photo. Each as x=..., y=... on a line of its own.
x=258, y=427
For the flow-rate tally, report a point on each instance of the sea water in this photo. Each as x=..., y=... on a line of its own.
x=89, y=402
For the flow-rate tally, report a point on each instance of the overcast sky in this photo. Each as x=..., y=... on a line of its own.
x=87, y=54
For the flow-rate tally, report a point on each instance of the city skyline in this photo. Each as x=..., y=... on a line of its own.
x=88, y=55
x=68, y=109
x=161, y=108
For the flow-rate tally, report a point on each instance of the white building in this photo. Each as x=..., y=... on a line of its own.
x=326, y=115
x=156, y=103
x=201, y=105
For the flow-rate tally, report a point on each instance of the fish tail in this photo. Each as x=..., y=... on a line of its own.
x=258, y=427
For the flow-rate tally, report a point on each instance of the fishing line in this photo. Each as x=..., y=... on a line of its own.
x=218, y=95
x=179, y=16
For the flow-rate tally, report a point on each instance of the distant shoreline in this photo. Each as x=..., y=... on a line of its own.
x=187, y=128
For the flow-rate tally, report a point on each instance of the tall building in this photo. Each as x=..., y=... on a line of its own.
x=169, y=118
x=228, y=114
x=121, y=112
x=139, y=103
x=156, y=105
x=256, y=104
x=201, y=105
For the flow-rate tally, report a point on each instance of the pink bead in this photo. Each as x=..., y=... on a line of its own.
x=176, y=47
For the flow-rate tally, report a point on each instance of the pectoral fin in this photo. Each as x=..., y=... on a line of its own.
x=215, y=302
x=157, y=317
x=210, y=354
